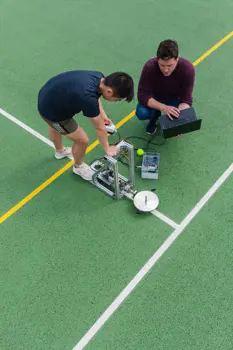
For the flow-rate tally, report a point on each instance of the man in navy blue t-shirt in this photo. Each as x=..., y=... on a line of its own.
x=75, y=92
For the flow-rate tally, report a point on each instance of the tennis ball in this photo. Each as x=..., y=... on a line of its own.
x=140, y=152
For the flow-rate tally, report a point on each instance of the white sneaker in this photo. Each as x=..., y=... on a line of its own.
x=84, y=171
x=66, y=153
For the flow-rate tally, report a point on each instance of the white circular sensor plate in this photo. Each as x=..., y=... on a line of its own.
x=146, y=201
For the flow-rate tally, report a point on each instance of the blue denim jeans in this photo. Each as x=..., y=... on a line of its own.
x=144, y=113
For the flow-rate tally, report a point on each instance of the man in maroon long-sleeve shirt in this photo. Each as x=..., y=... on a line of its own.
x=165, y=86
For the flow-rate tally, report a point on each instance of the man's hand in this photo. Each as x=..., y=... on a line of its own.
x=106, y=119
x=171, y=111
x=112, y=151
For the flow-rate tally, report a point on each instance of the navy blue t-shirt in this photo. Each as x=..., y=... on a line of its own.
x=70, y=93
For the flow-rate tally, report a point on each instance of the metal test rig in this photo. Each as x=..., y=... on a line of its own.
x=107, y=177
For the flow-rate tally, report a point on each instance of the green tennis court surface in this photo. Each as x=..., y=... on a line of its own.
x=184, y=303
x=70, y=251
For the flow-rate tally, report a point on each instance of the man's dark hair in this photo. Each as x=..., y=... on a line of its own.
x=122, y=85
x=168, y=49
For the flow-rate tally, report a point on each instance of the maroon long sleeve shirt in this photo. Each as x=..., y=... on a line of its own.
x=179, y=85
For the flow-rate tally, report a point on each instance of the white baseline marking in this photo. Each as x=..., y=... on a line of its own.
x=26, y=127
x=150, y=263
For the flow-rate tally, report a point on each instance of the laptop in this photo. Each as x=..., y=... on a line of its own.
x=187, y=122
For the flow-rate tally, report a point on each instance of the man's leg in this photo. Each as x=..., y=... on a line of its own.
x=56, y=138
x=55, y=132
x=146, y=113
x=71, y=130
x=80, y=142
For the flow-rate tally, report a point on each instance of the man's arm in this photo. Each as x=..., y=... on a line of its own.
x=152, y=103
x=102, y=135
x=145, y=85
x=92, y=111
x=187, y=87
x=101, y=132
x=102, y=112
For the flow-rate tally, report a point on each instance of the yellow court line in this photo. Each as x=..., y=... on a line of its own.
x=215, y=47
x=94, y=144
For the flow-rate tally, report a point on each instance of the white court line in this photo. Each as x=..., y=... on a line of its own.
x=164, y=218
x=28, y=129
x=150, y=263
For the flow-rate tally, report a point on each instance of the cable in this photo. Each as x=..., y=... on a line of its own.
x=148, y=147
x=148, y=141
